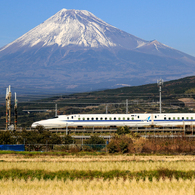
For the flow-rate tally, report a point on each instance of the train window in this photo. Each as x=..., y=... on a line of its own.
x=96, y=118
x=110, y=118
x=187, y=118
x=114, y=118
x=92, y=118
x=83, y=118
x=101, y=118
x=178, y=118
x=123, y=118
x=155, y=116
x=128, y=118
x=72, y=117
x=191, y=118
x=105, y=118
x=169, y=118
x=182, y=118
x=119, y=118
x=132, y=119
x=67, y=117
x=173, y=118
x=137, y=116
x=79, y=118
x=165, y=118
x=87, y=118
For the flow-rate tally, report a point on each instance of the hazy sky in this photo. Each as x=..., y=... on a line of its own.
x=171, y=22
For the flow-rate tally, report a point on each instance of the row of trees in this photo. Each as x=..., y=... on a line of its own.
x=123, y=142
x=33, y=137
x=41, y=136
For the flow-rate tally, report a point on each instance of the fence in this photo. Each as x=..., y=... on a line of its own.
x=13, y=147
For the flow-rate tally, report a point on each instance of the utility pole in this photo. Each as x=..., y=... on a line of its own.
x=10, y=97
x=8, y=106
x=160, y=83
x=15, y=112
x=106, y=108
x=56, y=110
x=126, y=106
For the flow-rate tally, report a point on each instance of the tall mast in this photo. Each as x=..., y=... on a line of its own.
x=8, y=106
x=15, y=112
x=160, y=83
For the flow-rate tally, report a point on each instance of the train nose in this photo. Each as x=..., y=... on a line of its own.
x=34, y=125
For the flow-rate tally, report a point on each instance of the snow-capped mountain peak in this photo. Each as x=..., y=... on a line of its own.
x=77, y=27
x=61, y=53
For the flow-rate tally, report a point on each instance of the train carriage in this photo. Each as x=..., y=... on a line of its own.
x=131, y=120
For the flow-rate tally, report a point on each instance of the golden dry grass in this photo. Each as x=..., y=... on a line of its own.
x=100, y=163
x=96, y=187
x=98, y=158
x=100, y=166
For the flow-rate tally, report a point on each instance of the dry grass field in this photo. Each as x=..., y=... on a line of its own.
x=133, y=166
x=96, y=186
x=94, y=158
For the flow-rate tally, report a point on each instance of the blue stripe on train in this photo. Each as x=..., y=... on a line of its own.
x=106, y=120
x=127, y=120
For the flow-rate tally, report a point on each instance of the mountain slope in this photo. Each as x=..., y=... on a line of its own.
x=75, y=50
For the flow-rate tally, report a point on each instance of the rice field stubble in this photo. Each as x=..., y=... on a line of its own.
x=102, y=163
x=97, y=187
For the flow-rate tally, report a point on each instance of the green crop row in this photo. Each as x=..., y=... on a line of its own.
x=76, y=174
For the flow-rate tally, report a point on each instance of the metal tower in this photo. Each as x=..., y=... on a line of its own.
x=160, y=83
x=15, y=112
x=8, y=106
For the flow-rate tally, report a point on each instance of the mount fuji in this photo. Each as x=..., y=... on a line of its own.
x=76, y=51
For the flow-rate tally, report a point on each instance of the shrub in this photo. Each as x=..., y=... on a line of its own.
x=112, y=147
x=6, y=138
x=123, y=130
x=40, y=128
x=139, y=144
x=94, y=143
x=75, y=149
x=95, y=140
x=55, y=139
x=68, y=140
x=121, y=144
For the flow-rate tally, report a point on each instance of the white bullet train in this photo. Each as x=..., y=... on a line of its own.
x=131, y=120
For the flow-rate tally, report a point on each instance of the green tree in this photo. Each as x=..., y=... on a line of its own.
x=39, y=136
x=123, y=146
x=94, y=143
x=6, y=138
x=123, y=130
x=68, y=140
x=40, y=128
x=95, y=140
x=122, y=143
